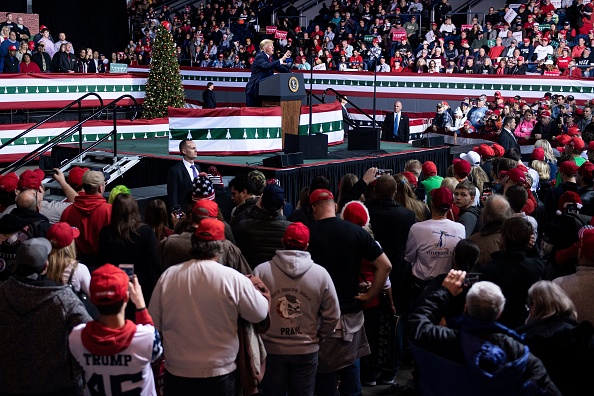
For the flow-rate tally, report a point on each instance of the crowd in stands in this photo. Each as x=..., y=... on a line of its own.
x=394, y=37
x=355, y=35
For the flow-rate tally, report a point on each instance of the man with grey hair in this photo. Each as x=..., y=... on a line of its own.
x=474, y=344
x=495, y=211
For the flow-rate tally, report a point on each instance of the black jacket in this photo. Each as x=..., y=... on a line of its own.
x=519, y=367
x=514, y=272
x=566, y=348
x=403, y=128
x=208, y=99
x=37, y=58
x=508, y=140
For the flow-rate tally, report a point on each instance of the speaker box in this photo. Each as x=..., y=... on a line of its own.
x=429, y=142
x=312, y=146
x=364, y=139
x=283, y=160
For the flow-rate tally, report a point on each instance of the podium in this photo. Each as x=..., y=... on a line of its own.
x=286, y=90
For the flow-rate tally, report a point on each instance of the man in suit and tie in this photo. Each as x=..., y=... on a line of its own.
x=506, y=137
x=396, y=125
x=181, y=175
x=347, y=121
x=264, y=67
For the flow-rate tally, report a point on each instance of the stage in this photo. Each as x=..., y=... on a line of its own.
x=152, y=169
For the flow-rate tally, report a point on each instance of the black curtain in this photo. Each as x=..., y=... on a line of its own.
x=14, y=6
x=101, y=25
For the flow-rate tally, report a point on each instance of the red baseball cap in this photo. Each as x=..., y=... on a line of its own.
x=577, y=143
x=429, y=168
x=9, y=182
x=355, y=212
x=573, y=130
x=590, y=148
x=320, y=195
x=210, y=230
x=206, y=207
x=563, y=139
x=569, y=197
x=296, y=235
x=586, y=170
x=31, y=179
x=75, y=176
x=498, y=149
x=412, y=179
x=569, y=167
x=61, y=234
x=516, y=175
x=538, y=154
x=485, y=151
x=442, y=197
x=109, y=285
x=461, y=167
x=497, y=94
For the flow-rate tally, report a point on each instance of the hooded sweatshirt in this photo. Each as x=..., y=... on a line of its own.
x=302, y=294
x=118, y=361
x=89, y=213
x=35, y=318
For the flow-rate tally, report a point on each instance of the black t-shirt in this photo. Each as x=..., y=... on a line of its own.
x=339, y=246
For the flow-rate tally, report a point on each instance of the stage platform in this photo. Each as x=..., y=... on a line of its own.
x=152, y=169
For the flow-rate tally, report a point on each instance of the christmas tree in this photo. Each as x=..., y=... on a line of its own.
x=163, y=87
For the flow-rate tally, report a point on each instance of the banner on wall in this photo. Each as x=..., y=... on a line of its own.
x=243, y=131
x=92, y=131
x=54, y=91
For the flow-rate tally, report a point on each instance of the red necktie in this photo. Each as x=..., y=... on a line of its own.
x=270, y=59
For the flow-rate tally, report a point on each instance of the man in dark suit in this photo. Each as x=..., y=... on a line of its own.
x=42, y=58
x=263, y=67
x=399, y=120
x=208, y=97
x=506, y=137
x=347, y=121
x=181, y=175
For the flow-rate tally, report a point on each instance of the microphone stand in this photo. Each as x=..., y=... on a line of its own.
x=374, y=90
x=310, y=100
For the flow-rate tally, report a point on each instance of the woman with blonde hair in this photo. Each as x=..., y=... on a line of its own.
x=63, y=266
x=550, y=158
x=406, y=197
x=553, y=334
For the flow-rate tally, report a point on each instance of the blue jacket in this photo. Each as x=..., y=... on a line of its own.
x=262, y=67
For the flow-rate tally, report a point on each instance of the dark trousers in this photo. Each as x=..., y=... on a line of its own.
x=253, y=100
x=223, y=385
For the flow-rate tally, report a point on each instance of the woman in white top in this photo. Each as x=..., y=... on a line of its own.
x=62, y=259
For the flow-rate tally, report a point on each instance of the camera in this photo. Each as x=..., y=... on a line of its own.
x=471, y=278
x=177, y=211
x=49, y=172
x=128, y=269
x=571, y=208
x=381, y=172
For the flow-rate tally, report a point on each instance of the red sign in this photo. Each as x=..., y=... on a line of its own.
x=279, y=34
x=270, y=29
x=398, y=36
x=466, y=27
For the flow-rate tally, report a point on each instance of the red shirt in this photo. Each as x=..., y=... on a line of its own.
x=30, y=68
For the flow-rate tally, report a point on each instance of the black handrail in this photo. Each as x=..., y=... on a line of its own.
x=70, y=131
x=349, y=102
x=79, y=100
x=308, y=92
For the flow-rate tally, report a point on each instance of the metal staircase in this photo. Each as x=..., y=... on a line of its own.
x=110, y=163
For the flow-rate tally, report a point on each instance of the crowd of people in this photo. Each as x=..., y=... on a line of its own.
x=227, y=267
x=395, y=37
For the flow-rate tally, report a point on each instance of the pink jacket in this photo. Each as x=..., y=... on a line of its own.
x=524, y=128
